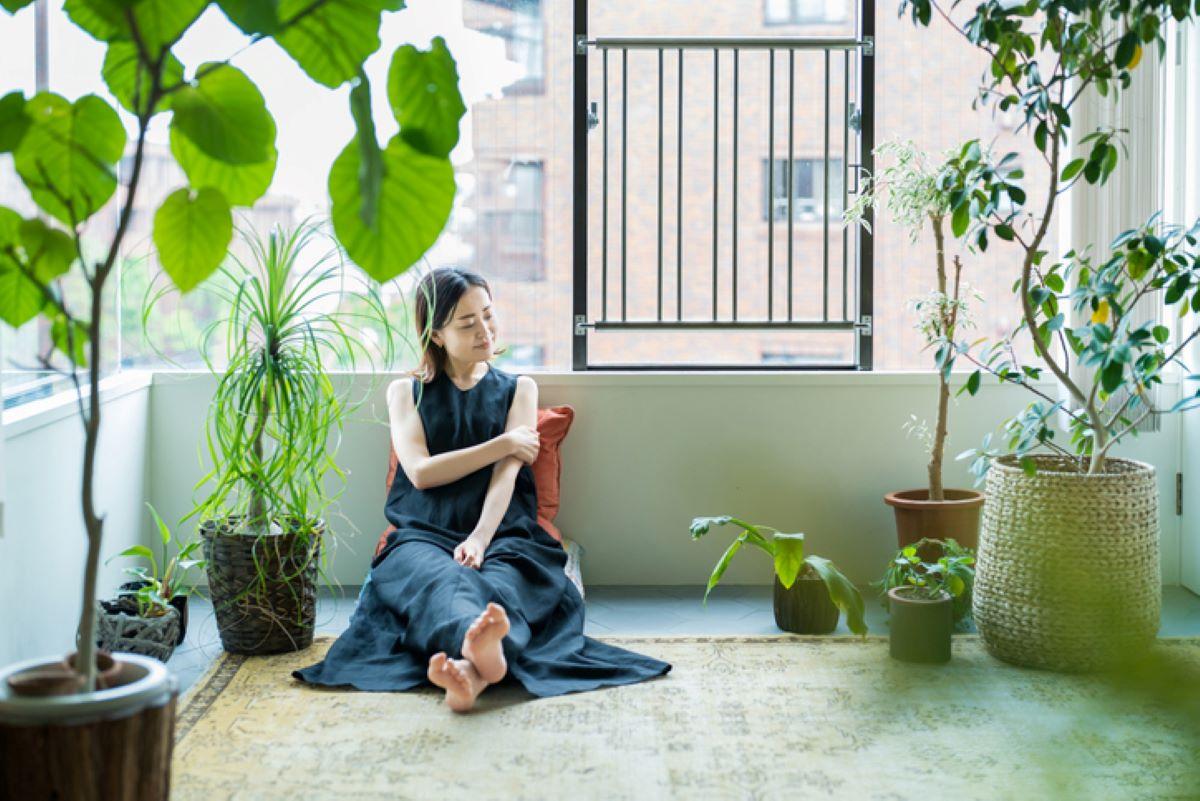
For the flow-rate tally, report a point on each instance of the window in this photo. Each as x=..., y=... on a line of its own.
x=808, y=189
x=519, y=24
x=511, y=224
x=801, y=12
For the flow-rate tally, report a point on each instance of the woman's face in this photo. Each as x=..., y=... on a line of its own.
x=470, y=332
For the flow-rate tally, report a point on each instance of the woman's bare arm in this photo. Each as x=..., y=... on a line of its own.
x=412, y=451
x=504, y=474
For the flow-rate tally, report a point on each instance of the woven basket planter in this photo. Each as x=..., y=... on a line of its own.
x=263, y=587
x=1067, y=574
x=119, y=628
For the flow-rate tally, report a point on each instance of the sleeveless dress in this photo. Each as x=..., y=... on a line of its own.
x=417, y=600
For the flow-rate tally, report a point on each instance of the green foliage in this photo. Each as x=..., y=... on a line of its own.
x=1089, y=42
x=68, y=154
x=130, y=81
x=154, y=597
x=225, y=116
x=787, y=552
x=953, y=573
x=192, y=233
x=423, y=92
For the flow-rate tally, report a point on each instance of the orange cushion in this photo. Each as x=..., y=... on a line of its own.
x=553, y=423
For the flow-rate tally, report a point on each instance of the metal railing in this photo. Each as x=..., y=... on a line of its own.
x=697, y=58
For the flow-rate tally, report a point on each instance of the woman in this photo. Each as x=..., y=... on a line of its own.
x=469, y=589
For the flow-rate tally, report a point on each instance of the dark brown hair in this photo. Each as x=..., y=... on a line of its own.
x=440, y=290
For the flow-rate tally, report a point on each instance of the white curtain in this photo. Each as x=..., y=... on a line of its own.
x=1095, y=215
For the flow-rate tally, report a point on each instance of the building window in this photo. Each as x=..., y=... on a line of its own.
x=523, y=33
x=808, y=189
x=511, y=227
x=804, y=12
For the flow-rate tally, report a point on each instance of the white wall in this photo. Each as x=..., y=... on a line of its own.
x=44, y=545
x=812, y=452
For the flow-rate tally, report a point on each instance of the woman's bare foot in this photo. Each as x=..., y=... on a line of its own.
x=482, y=645
x=458, y=678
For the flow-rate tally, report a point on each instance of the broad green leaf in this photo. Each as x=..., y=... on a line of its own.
x=49, y=252
x=843, y=594
x=13, y=6
x=129, y=80
x=224, y=115
x=330, y=41
x=160, y=23
x=164, y=533
x=252, y=16
x=74, y=346
x=960, y=220
x=13, y=122
x=241, y=184
x=973, y=382
x=1161, y=333
x=789, y=557
x=415, y=198
x=137, y=550
x=1112, y=376
x=722, y=564
x=20, y=298
x=66, y=157
x=423, y=92
x=192, y=233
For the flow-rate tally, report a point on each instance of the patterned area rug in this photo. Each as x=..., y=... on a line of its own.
x=781, y=717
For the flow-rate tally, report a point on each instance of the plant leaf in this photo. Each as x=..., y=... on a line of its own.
x=423, y=92
x=241, y=184
x=192, y=233
x=224, y=115
x=415, y=198
x=789, y=557
x=843, y=594
x=330, y=41
x=129, y=80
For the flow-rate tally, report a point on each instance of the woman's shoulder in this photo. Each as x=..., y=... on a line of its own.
x=518, y=380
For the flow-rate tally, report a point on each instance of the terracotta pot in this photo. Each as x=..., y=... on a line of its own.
x=956, y=517
x=805, y=607
x=919, y=629
x=113, y=744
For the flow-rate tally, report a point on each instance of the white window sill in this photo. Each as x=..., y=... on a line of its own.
x=45, y=411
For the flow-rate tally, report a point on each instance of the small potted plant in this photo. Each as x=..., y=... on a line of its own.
x=921, y=599
x=145, y=598
x=908, y=568
x=809, y=590
x=918, y=193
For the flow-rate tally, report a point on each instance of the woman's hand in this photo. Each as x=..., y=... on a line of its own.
x=524, y=443
x=469, y=552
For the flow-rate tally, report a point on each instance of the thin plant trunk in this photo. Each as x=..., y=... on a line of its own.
x=936, y=488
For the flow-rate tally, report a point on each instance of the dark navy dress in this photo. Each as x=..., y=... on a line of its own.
x=417, y=600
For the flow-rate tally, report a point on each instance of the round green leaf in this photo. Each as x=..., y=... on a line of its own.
x=20, y=298
x=415, y=198
x=49, y=252
x=223, y=113
x=66, y=157
x=330, y=41
x=423, y=93
x=192, y=233
x=160, y=23
x=241, y=184
x=128, y=79
x=13, y=122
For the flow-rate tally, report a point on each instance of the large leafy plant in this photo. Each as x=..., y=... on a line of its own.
x=952, y=573
x=787, y=552
x=389, y=203
x=1088, y=43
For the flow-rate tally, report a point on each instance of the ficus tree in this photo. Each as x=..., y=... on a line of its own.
x=1042, y=56
x=389, y=202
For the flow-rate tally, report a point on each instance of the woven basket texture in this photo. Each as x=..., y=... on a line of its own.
x=150, y=636
x=1067, y=573
x=263, y=588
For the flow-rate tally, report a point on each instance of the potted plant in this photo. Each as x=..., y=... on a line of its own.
x=1068, y=573
x=138, y=615
x=67, y=154
x=917, y=194
x=292, y=315
x=953, y=570
x=809, y=590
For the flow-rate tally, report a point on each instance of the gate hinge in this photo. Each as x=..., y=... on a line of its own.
x=868, y=45
x=581, y=324
x=1179, y=493
x=864, y=326
x=581, y=44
